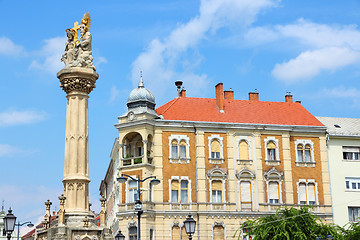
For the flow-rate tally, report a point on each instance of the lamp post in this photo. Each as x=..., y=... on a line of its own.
x=119, y=236
x=190, y=225
x=138, y=203
x=18, y=224
x=9, y=222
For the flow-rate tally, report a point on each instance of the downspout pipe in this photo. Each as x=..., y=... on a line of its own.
x=196, y=181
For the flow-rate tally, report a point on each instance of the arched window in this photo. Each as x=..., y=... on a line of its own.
x=245, y=195
x=182, y=149
x=271, y=151
x=215, y=149
x=243, y=150
x=300, y=152
x=216, y=191
x=274, y=192
x=174, y=191
x=174, y=149
x=184, y=191
x=218, y=232
x=308, y=153
x=133, y=233
x=175, y=233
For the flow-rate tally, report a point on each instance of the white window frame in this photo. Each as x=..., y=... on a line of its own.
x=216, y=223
x=352, y=208
x=219, y=175
x=274, y=175
x=127, y=189
x=352, y=180
x=248, y=176
x=179, y=138
x=180, y=178
x=276, y=142
x=351, y=147
x=220, y=139
x=248, y=141
x=303, y=143
x=306, y=182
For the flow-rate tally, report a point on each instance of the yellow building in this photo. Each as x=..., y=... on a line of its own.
x=221, y=160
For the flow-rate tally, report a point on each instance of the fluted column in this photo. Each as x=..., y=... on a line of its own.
x=77, y=83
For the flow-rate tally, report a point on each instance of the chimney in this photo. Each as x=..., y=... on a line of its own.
x=288, y=97
x=182, y=93
x=219, y=96
x=298, y=102
x=179, y=87
x=254, y=96
x=229, y=94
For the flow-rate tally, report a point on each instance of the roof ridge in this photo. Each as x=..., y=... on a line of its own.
x=174, y=100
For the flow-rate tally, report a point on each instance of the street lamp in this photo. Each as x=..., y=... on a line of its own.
x=190, y=225
x=138, y=203
x=18, y=224
x=9, y=222
x=119, y=236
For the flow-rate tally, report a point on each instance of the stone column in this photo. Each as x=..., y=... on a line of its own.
x=77, y=83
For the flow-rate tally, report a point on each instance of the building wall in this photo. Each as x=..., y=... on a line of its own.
x=339, y=169
x=161, y=216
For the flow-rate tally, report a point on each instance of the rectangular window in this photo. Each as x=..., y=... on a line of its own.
x=302, y=193
x=354, y=214
x=216, y=196
x=352, y=183
x=312, y=193
x=351, y=153
x=215, y=154
x=271, y=154
x=245, y=191
x=300, y=155
x=133, y=233
x=273, y=192
x=132, y=186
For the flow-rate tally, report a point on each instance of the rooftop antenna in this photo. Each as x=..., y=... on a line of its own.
x=2, y=206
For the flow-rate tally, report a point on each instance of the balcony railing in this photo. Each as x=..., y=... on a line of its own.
x=136, y=160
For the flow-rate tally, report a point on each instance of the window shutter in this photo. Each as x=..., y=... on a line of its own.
x=176, y=233
x=274, y=190
x=311, y=191
x=245, y=191
x=243, y=150
x=351, y=149
x=216, y=185
x=302, y=192
x=218, y=233
x=174, y=185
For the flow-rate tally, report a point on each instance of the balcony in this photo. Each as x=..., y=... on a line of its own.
x=136, y=161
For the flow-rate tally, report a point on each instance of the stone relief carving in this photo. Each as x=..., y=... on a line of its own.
x=78, y=51
x=77, y=84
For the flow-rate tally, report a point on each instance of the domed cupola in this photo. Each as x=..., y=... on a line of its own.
x=141, y=100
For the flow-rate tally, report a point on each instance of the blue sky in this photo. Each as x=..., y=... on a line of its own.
x=310, y=48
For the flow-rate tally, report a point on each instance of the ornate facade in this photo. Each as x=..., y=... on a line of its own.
x=222, y=160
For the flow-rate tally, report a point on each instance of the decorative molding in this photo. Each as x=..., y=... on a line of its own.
x=303, y=143
x=84, y=85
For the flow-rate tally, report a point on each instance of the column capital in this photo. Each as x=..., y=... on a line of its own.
x=77, y=79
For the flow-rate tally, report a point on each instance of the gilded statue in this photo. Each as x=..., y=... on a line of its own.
x=78, y=52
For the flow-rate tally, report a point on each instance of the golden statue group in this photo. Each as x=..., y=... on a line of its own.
x=78, y=51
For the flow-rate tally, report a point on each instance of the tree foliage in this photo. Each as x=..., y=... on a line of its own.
x=290, y=224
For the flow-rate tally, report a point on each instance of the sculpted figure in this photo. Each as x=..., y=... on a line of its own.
x=78, y=52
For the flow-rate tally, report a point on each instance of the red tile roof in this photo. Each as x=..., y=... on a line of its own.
x=237, y=111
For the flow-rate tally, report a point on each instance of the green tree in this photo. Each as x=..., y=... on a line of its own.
x=352, y=231
x=289, y=224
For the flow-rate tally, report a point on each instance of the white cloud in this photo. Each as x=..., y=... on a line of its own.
x=8, y=47
x=50, y=55
x=160, y=62
x=341, y=92
x=114, y=92
x=11, y=118
x=6, y=150
x=310, y=63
